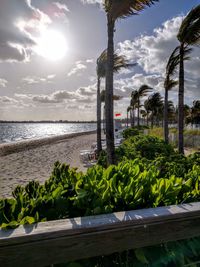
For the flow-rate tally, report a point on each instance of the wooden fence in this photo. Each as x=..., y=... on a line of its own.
x=60, y=241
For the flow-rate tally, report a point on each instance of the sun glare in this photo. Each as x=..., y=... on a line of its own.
x=51, y=45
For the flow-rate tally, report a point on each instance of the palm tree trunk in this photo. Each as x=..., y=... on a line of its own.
x=138, y=118
x=99, y=146
x=109, y=93
x=104, y=127
x=152, y=118
x=147, y=120
x=181, y=102
x=127, y=120
x=166, y=129
x=132, y=118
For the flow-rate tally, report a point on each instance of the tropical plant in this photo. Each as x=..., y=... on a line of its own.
x=155, y=105
x=133, y=103
x=129, y=110
x=188, y=35
x=147, y=106
x=142, y=91
x=119, y=63
x=169, y=83
x=116, y=9
x=195, y=112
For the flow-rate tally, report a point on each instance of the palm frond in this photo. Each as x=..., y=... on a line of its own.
x=120, y=62
x=172, y=65
x=115, y=97
x=124, y=8
x=170, y=83
x=189, y=32
x=144, y=90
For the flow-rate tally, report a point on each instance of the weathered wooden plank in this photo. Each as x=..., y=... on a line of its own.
x=78, y=238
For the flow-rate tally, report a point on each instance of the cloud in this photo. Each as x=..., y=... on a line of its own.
x=92, y=1
x=51, y=76
x=36, y=80
x=61, y=6
x=8, y=100
x=18, y=20
x=151, y=52
x=78, y=67
x=3, y=82
x=90, y=60
x=87, y=91
x=84, y=95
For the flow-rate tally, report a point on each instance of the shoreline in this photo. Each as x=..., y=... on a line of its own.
x=15, y=147
x=25, y=161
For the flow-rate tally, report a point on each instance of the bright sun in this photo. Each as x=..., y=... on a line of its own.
x=51, y=45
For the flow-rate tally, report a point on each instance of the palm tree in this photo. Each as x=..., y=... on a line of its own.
x=188, y=35
x=142, y=91
x=119, y=62
x=129, y=109
x=195, y=112
x=171, y=110
x=116, y=9
x=187, y=113
x=147, y=107
x=155, y=105
x=169, y=82
x=133, y=103
x=103, y=95
x=144, y=114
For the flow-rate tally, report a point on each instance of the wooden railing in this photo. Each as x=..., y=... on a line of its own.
x=54, y=242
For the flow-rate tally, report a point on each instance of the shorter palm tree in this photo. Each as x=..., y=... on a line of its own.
x=155, y=105
x=195, y=112
x=142, y=91
x=129, y=109
x=133, y=103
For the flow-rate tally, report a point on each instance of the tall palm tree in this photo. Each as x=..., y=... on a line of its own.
x=116, y=9
x=169, y=83
x=171, y=110
x=142, y=91
x=119, y=63
x=103, y=99
x=188, y=35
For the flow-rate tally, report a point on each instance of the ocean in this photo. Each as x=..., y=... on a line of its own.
x=15, y=132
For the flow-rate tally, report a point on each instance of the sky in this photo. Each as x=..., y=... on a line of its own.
x=48, y=52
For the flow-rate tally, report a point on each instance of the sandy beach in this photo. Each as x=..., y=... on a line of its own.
x=33, y=160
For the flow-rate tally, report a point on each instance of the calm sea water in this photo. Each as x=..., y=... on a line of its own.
x=13, y=132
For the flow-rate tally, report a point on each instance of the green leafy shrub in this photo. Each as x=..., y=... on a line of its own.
x=130, y=132
x=102, y=160
x=157, y=176
x=145, y=146
x=68, y=193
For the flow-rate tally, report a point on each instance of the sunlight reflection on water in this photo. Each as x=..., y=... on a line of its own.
x=13, y=132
